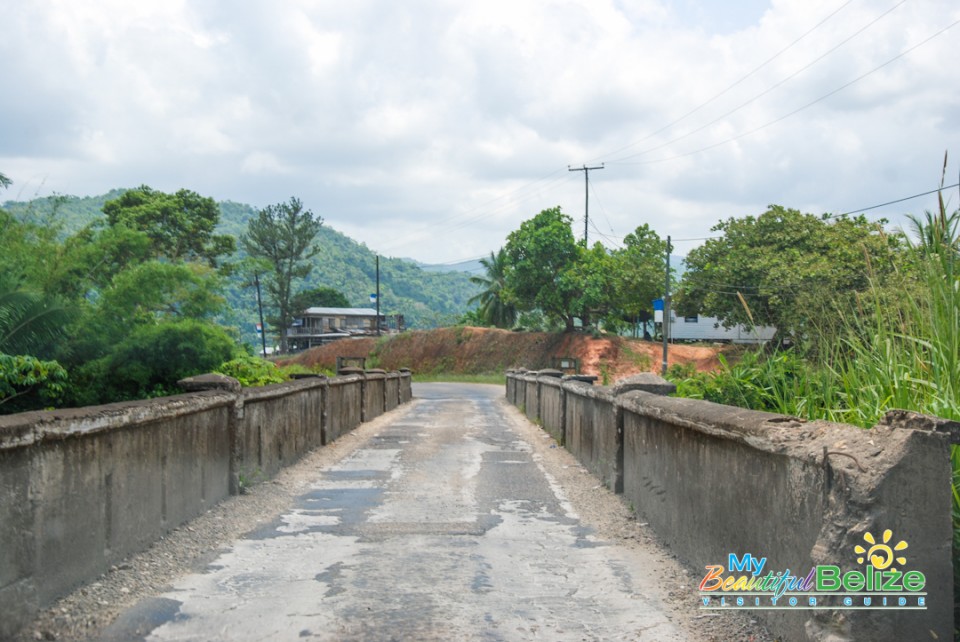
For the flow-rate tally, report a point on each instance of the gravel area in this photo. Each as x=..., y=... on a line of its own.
x=84, y=613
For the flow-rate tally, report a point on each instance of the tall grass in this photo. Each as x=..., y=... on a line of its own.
x=906, y=354
x=896, y=346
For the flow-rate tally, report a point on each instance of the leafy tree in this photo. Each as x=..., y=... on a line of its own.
x=283, y=234
x=86, y=263
x=29, y=322
x=321, y=297
x=590, y=283
x=25, y=250
x=640, y=268
x=155, y=291
x=4, y=181
x=180, y=225
x=784, y=268
x=472, y=317
x=150, y=361
x=541, y=253
x=28, y=383
x=494, y=308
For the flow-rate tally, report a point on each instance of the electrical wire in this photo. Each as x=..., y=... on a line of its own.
x=765, y=91
x=899, y=200
x=797, y=110
x=735, y=84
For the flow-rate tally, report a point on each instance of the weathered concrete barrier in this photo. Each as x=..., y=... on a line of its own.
x=277, y=424
x=374, y=393
x=726, y=488
x=531, y=395
x=406, y=385
x=593, y=431
x=344, y=406
x=82, y=489
x=552, y=407
x=391, y=391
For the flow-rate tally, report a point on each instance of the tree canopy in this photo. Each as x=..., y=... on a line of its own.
x=179, y=226
x=494, y=308
x=321, y=297
x=283, y=234
x=542, y=255
x=783, y=267
x=641, y=269
x=545, y=270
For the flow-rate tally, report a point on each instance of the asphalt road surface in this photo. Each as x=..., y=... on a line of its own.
x=445, y=525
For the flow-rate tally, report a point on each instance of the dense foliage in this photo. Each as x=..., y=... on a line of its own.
x=126, y=305
x=180, y=226
x=251, y=371
x=27, y=383
x=786, y=269
x=282, y=235
x=493, y=309
x=426, y=299
x=542, y=278
x=85, y=281
x=893, y=344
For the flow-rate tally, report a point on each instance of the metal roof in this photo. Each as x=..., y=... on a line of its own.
x=341, y=312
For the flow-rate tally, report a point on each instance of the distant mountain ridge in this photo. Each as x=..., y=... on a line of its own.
x=427, y=297
x=470, y=266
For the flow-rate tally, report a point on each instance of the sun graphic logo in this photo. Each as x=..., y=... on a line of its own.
x=880, y=554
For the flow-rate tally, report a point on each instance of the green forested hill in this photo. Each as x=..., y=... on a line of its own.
x=427, y=299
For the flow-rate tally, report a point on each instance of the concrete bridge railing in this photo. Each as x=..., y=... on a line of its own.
x=82, y=489
x=721, y=485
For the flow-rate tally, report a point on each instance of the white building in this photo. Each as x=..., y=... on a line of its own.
x=317, y=326
x=701, y=328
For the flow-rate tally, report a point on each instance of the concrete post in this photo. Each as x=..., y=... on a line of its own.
x=214, y=381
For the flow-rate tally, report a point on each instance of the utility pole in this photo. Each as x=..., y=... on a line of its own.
x=263, y=329
x=378, y=295
x=586, y=207
x=665, y=329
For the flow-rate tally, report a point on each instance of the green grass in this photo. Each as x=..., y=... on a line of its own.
x=437, y=377
x=898, y=346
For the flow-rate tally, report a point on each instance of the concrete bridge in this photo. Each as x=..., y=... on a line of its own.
x=453, y=516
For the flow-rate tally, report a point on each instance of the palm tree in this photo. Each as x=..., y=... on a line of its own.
x=4, y=181
x=29, y=322
x=494, y=308
x=936, y=233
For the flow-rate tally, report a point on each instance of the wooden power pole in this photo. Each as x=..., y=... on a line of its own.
x=586, y=207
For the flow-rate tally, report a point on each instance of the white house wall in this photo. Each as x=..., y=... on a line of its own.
x=709, y=329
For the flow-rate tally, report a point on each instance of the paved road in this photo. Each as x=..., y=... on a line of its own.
x=445, y=526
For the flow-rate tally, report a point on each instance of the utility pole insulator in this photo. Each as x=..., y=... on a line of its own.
x=665, y=326
x=586, y=208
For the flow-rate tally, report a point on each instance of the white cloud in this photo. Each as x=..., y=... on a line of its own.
x=432, y=128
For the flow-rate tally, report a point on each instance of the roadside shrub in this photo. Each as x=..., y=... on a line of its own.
x=251, y=371
x=28, y=383
x=153, y=358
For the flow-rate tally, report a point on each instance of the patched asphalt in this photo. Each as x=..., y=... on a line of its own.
x=444, y=526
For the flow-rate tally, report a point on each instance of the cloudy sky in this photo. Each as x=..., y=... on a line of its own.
x=431, y=128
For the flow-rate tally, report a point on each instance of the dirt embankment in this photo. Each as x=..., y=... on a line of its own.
x=467, y=350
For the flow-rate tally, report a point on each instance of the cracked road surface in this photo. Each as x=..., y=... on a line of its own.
x=445, y=525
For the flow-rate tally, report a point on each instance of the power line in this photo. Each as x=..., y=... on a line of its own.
x=586, y=189
x=769, y=89
x=795, y=111
x=735, y=84
x=899, y=200
x=611, y=239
